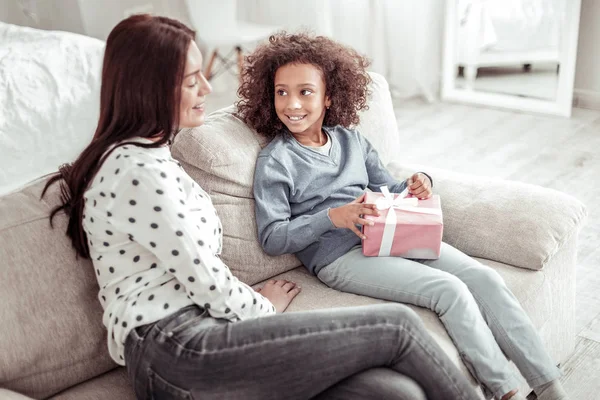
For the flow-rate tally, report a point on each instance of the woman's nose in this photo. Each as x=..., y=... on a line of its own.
x=205, y=87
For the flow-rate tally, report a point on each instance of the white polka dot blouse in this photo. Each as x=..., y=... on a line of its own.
x=155, y=239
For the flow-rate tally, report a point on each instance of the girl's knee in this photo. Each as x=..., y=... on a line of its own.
x=484, y=279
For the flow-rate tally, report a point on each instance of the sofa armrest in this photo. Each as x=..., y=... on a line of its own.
x=6, y=394
x=514, y=223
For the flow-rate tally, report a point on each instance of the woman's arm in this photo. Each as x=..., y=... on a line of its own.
x=180, y=242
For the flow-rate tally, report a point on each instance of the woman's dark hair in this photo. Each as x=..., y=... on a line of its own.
x=142, y=73
x=343, y=70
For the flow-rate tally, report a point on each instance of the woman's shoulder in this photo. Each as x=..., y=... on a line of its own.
x=126, y=159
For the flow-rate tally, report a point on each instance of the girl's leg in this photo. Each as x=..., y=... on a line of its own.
x=291, y=356
x=511, y=327
x=375, y=384
x=406, y=281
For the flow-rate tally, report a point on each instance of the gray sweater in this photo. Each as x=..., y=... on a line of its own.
x=295, y=186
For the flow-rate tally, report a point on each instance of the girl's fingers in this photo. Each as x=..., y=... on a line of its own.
x=363, y=221
x=359, y=199
x=357, y=232
x=368, y=211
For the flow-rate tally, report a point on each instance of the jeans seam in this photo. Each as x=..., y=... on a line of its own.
x=270, y=340
x=432, y=356
x=492, y=316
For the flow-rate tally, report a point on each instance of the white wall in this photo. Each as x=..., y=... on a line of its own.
x=94, y=18
x=97, y=17
x=587, y=75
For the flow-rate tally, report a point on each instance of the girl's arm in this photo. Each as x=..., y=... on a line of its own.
x=276, y=232
x=180, y=244
x=379, y=175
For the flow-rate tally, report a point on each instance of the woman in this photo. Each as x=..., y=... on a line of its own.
x=178, y=320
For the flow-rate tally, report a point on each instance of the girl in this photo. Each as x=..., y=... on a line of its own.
x=184, y=327
x=305, y=92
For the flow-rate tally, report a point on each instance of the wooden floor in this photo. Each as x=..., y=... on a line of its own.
x=554, y=152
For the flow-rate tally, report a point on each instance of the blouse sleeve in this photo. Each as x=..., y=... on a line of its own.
x=144, y=208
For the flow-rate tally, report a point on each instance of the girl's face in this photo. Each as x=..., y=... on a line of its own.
x=300, y=100
x=194, y=89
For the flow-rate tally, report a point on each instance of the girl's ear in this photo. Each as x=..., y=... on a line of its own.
x=327, y=102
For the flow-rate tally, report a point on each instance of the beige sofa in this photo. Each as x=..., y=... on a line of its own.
x=53, y=344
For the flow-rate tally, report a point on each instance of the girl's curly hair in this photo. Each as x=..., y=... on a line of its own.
x=343, y=70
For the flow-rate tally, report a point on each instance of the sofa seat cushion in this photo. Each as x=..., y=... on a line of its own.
x=111, y=385
x=52, y=333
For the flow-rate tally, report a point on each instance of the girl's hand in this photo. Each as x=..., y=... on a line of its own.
x=280, y=292
x=419, y=186
x=347, y=216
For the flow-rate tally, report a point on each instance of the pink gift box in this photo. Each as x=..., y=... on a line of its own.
x=414, y=235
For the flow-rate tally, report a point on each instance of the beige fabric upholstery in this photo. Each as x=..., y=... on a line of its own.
x=52, y=334
x=10, y=395
x=113, y=385
x=220, y=156
x=511, y=222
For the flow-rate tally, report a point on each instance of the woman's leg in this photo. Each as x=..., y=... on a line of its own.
x=291, y=356
x=510, y=325
x=406, y=281
x=374, y=384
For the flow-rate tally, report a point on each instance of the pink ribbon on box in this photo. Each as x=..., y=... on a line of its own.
x=408, y=204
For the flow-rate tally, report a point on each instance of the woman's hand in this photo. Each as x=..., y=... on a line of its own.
x=347, y=216
x=279, y=292
x=419, y=186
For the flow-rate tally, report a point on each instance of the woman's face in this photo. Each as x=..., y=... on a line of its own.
x=300, y=99
x=194, y=90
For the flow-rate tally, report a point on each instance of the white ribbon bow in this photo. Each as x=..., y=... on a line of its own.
x=387, y=202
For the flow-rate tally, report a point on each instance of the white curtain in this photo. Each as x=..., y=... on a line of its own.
x=401, y=37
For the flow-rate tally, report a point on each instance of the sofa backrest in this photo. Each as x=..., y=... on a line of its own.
x=220, y=156
x=52, y=335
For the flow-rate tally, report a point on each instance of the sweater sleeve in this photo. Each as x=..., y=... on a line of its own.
x=145, y=207
x=276, y=232
x=378, y=175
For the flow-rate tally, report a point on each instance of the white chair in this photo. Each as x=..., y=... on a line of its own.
x=219, y=29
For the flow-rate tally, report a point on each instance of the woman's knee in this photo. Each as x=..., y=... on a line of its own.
x=398, y=314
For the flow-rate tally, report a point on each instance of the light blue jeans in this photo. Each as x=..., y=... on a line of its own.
x=481, y=315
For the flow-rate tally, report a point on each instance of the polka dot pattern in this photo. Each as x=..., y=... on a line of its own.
x=156, y=240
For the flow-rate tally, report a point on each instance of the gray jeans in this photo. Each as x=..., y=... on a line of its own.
x=373, y=352
x=481, y=315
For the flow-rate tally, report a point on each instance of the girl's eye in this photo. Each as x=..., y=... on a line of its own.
x=193, y=84
x=306, y=92
x=281, y=92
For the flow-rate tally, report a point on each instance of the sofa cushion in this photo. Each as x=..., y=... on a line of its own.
x=511, y=222
x=52, y=334
x=220, y=156
x=49, y=100
x=111, y=385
